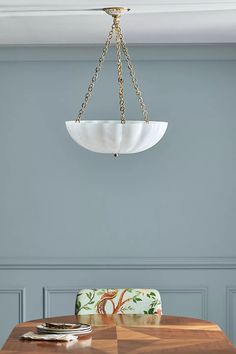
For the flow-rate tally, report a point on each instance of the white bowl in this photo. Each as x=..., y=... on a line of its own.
x=112, y=137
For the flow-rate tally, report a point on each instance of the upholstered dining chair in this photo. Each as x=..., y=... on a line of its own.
x=112, y=301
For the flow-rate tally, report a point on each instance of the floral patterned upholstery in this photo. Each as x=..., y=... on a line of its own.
x=111, y=301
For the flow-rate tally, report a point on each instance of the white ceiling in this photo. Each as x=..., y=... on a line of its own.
x=152, y=21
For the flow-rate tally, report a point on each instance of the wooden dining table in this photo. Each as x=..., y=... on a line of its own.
x=123, y=334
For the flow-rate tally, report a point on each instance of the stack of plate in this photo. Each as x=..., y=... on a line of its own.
x=64, y=328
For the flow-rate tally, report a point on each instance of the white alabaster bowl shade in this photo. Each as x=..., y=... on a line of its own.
x=112, y=137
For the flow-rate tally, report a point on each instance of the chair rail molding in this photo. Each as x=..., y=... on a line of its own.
x=38, y=263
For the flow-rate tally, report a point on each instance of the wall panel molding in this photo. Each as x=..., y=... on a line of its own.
x=190, y=290
x=140, y=52
x=39, y=263
x=20, y=292
x=202, y=291
x=230, y=293
x=49, y=291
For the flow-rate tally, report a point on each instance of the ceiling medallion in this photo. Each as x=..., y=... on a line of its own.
x=113, y=136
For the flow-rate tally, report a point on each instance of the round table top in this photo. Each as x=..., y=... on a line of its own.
x=134, y=334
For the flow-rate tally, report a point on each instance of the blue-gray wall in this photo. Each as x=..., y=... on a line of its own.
x=164, y=218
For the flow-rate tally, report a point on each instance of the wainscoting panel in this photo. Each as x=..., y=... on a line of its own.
x=231, y=314
x=58, y=301
x=12, y=309
x=206, y=290
x=185, y=301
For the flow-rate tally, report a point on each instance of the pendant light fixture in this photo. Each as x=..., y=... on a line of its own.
x=114, y=136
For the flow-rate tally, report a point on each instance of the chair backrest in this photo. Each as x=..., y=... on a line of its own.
x=111, y=301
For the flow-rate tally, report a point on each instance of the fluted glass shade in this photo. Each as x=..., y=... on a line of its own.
x=112, y=137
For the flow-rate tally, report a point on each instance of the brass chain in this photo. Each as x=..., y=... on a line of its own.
x=133, y=77
x=119, y=68
x=120, y=44
x=95, y=75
